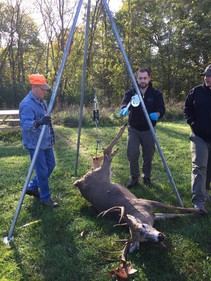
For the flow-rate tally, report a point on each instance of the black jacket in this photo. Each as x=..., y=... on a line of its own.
x=153, y=101
x=197, y=111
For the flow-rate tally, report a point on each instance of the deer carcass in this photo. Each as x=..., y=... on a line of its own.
x=106, y=196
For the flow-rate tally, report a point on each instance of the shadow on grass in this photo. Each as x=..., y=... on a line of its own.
x=12, y=151
x=53, y=243
x=71, y=244
x=173, y=132
x=59, y=242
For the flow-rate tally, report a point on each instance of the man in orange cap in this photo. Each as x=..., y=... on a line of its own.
x=33, y=115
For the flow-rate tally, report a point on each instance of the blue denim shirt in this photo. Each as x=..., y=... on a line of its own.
x=30, y=109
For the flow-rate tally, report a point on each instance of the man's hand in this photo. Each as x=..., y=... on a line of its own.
x=45, y=120
x=123, y=112
x=153, y=116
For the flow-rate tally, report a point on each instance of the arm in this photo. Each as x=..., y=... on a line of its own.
x=27, y=116
x=126, y=103
x=159, y=107
x=189, y=112
x=30, y=119
x=127, y=97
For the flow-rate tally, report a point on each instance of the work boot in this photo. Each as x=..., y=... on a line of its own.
x=34, y=193
x=147, y=182
x=201, y=208
x=133, y=182
x=50, y=203
x=207, y=196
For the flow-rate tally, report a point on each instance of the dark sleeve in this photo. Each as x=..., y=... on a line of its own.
x=127, y=97
x=189, y=112
x=160, y=105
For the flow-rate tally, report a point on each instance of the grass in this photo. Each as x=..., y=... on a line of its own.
x=69, y=243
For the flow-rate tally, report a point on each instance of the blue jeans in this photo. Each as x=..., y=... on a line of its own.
x=43, y=168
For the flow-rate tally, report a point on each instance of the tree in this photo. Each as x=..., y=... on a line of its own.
x=20, y=39
x=172, y=37
x=169, y=36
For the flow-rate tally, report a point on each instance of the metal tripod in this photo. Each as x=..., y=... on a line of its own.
x=142, y=104
x=9, y=238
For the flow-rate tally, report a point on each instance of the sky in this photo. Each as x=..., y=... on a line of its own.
x=114, y=5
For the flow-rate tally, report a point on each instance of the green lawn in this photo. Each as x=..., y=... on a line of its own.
x=70, y=243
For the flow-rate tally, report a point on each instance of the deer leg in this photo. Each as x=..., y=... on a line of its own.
x=97, y=161
x=157, y=204
x=108, y=149
x=159, y=216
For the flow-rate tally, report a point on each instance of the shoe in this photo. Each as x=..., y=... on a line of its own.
x=50, y=203
x=207, y=196
x=133, y=182
x=147, y=181
x=201, y=208
x=34, y=193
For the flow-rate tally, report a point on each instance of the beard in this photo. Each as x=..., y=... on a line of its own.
x=143, y=85
x=208, y=84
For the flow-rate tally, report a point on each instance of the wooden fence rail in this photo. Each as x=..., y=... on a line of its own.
x=8, y=118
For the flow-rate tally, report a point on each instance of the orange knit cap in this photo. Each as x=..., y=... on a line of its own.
x=39, y=79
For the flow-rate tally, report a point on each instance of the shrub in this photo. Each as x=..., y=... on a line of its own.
x=69, y=117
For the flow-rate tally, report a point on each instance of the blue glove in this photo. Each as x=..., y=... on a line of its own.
x=153, y=116
x=123, y=112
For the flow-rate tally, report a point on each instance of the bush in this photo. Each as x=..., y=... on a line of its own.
x=70, y=117
x=108, y=116
x=174, y=111
x=10, y=136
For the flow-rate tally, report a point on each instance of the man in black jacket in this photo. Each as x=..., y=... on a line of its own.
x=139, y=132
x=197, y=112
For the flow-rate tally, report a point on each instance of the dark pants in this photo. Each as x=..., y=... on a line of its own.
x=43, y=168
x=201, y=168
x=134, y=140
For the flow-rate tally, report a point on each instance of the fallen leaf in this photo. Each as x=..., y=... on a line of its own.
x=122, y=271
x=129, y=269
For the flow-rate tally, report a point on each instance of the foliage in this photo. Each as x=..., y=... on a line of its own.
x=159, y=38
x=21, y=47
x=70, y=243
x=69, y=117
x=171, y=37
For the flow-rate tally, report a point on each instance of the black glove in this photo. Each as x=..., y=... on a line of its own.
x=45, y=120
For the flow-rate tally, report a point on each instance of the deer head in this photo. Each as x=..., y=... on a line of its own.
x=140, y=232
